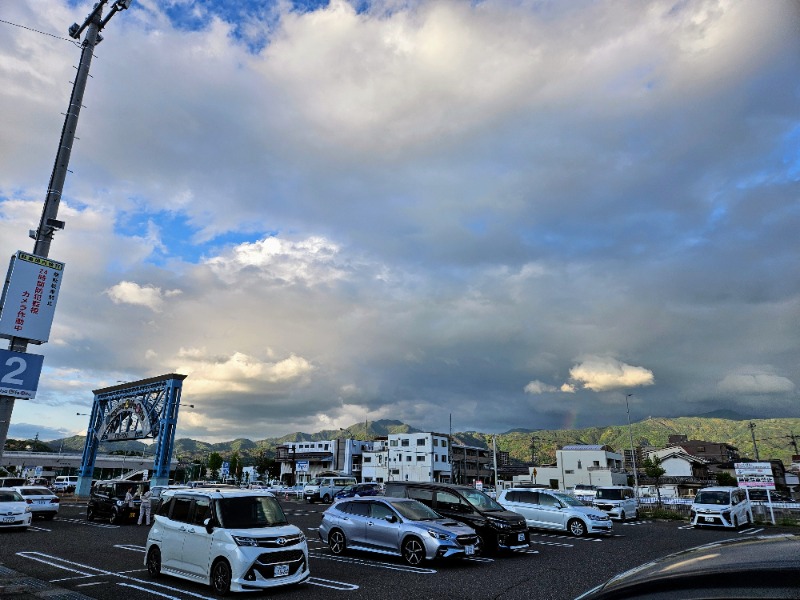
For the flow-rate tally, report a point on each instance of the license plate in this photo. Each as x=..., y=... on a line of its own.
x=281, y=570
x=132, y=514
x=469, y=550
x=708, y=519
x=8, y=519
x=521, y=537
x=41, y=501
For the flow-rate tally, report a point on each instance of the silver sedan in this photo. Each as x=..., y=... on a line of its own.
x=396, y=526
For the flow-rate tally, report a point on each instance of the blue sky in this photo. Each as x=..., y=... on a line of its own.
x=514, y=213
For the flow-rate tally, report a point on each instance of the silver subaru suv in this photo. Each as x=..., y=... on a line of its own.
x=399, y=526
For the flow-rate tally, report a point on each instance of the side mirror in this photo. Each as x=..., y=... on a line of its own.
x=391, y=518
x=207, y=524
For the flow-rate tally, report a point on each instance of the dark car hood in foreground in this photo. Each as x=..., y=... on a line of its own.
x=757, y=567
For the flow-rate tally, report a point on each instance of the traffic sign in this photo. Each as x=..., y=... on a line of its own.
x=19, y=374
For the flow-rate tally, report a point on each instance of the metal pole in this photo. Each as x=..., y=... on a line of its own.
x=633, y=453
x=48, y=223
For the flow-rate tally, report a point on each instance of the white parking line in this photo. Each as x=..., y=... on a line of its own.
x=751, y=531
x=91, y=523
x=371, y=563
x=334, y=585
x=553, y=544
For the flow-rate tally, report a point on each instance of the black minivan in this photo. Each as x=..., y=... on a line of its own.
x=107, y=501
x=497, y=528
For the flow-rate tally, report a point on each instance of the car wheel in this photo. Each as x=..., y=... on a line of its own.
x=113, y=517
x=221, y=577
x=576, y=527
x=413, y=551
x=735, y=522
x=90, y=514
x=622, y=516
x=154, y=561
x=326, y=499
x=336, y=541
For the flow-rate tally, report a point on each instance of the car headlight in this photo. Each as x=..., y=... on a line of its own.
x=120, y=502
x=438, y=535
x=598, y=517
x=498, y=524
x=27, y=509
x=244, y=541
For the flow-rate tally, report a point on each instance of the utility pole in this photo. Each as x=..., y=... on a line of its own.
x=49, y=223
x=752, y=427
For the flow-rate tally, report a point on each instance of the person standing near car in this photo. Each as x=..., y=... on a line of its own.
x=129, y=498
x=144, y=507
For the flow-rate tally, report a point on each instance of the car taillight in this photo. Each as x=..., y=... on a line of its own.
x=55, y=500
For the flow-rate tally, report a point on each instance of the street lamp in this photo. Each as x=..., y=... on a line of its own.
x=633, y=454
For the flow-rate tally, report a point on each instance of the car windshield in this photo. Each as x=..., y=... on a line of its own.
x=248, y=512
x=347, y=489
x=35, y=492
x=712, y=498
x=10, y=496
x=416, y=511
x=569, y=500
x=609, y=494
x=480, y=500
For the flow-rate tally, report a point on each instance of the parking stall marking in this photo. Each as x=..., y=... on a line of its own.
x=90, y=571
x=559, y=544
x=372, y=563
x=634, y=523
x=567, y=537
x=334, y=585
x=751, y=531
x=91, y=523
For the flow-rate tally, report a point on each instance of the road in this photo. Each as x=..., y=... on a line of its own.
x=105, y=561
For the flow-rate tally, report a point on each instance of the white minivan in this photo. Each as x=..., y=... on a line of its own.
x=617, y=501
x=721, y=506
x=325, y=488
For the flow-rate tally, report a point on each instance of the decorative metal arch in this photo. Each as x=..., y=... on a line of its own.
x=134, y=411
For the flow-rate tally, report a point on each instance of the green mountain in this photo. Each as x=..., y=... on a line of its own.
x=774, y=438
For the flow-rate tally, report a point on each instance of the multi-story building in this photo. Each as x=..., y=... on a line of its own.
x=713, y=452
x=580, y=464
x=408, y=457
x=302, y=461
x=471, y=464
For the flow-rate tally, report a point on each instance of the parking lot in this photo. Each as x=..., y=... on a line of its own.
x=103, y=561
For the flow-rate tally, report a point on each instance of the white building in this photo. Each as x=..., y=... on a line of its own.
x=580, y=464
x=302, y=461
x=408, y=457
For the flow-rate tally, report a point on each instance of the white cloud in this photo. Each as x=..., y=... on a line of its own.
x=128, y=292
x=602, y=374
x=538, y=387
x=753, y=380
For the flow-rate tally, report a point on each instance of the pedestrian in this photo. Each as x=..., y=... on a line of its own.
x=144, y=507
x=129, y=498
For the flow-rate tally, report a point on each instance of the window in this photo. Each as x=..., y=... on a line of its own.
x=423, y=495
x=202, y=510
x=435, y=441
x=444, y=443
x=420, y=458
x=569, y=471
x=405, y=442
x=393, y=443
x=701, y=449
x=357, y=508
x=380, y=511
x=420, y=441
x=367, y=459
x=180, y=509
x=579, y=465
x=408, y=458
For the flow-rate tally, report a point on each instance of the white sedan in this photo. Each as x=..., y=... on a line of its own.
x=43, y=502
x=15, y=513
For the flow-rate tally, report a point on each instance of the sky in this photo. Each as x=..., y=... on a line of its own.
x=466, y=216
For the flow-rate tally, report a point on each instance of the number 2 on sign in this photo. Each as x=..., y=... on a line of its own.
x=11, y=376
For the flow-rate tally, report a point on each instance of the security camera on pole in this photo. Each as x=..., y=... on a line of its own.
x=33, y=281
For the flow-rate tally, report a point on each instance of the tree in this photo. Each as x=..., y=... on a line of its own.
x=233, y=465
x=653, y=469
x=265, y=467
x=214, y=464
x=725, y=478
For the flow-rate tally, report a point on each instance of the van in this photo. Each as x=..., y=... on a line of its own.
x=65, y=483
x=721, y=506
x=497, y=528
x=325, y=488
x=617, y=501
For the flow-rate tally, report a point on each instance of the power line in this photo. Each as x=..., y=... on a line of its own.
x=58, y=37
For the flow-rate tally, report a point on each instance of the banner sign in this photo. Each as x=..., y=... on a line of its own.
x=301, y=466
x=29, y=298
x=19, y=374
x=755, y=475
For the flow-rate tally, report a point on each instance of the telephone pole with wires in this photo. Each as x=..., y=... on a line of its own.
x=49, y=222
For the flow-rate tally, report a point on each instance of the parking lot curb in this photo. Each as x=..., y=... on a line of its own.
x=19, y=586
